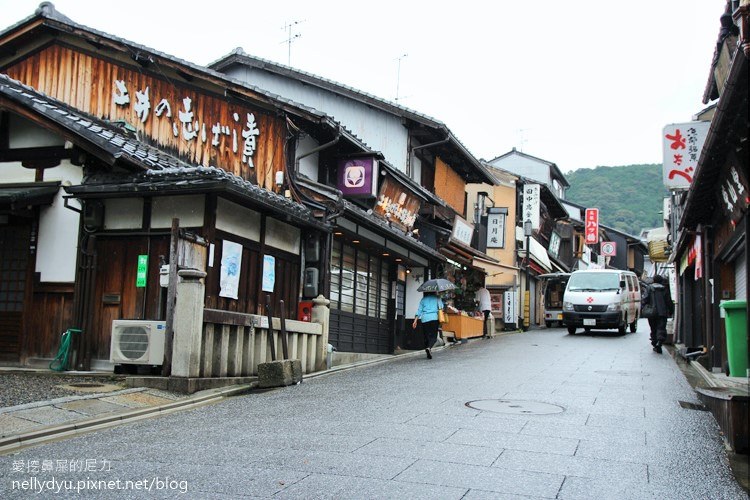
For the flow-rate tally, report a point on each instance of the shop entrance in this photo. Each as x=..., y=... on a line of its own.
x=15, y=241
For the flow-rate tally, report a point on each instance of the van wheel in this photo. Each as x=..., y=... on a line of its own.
x=548, y=324
x=622, y=329
x=571, y=330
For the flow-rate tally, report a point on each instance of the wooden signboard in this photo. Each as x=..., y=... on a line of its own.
x=201, y=128
x=397, y=205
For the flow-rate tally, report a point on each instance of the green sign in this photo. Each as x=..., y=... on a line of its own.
x=140, y=276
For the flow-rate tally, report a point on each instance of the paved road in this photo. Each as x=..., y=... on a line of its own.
x=402, y=430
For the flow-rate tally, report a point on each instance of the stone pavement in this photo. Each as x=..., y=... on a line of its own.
x=540, y=414
x=106, y=406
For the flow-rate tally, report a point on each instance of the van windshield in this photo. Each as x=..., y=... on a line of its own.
x=593, y=282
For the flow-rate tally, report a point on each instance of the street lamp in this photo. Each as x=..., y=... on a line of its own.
x=527, y=229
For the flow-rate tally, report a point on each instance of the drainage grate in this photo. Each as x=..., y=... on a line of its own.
x=86, y=385
x=515, y=407
x=692, y=406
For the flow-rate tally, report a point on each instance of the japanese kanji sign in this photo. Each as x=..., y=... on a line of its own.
x=196, y=121
x=191, y=122
x=141, y=272
x=496, y=227
x=592, y=225
x=531, y=204
x=463, y=230
x=683, y=143
x=733, y=195
x=554, y=244
x=509, y=309
x=397, y=205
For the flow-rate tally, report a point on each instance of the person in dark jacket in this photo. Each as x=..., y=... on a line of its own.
x=660, y=297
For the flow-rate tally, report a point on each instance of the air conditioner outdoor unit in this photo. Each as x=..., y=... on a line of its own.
x=137, y=342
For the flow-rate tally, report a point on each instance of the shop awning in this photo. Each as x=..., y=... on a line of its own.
x=469, y=253
x=498, y=274
x=21, y=196
x=538, y=253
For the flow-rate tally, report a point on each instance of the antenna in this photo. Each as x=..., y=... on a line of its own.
x=290, y=38
x=398, y=75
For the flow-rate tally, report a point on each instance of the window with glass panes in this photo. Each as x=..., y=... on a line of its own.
x=359, y=281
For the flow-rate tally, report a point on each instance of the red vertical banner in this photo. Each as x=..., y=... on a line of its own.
x=592, y=225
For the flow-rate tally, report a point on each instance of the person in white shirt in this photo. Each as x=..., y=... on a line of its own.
x=482, y=297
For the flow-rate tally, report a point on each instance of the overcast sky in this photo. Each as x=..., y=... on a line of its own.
x=580, y=83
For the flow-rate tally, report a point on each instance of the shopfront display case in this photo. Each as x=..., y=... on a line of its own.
x=463, y=327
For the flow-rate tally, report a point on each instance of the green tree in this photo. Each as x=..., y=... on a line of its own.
x=629, y=198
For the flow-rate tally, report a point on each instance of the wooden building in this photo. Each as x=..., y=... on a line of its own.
x=117, y=160
x=710, y=250
x=401, y=224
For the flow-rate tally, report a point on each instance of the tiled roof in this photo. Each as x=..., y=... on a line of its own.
x=47, y=11
x=555, y=169
x=239, y=56
x=156, y=166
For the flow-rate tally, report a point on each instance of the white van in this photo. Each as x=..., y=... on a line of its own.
x=602, y=299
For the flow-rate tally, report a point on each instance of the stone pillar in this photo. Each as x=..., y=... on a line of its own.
x=321, y=314
x=188, y=324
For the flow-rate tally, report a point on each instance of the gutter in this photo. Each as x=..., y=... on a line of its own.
x=294, y=181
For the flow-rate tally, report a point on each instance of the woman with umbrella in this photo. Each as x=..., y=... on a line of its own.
x=427, y=312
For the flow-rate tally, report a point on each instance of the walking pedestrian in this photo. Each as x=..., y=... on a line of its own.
x=482, y=297
x=427, y=313
x=659, y=297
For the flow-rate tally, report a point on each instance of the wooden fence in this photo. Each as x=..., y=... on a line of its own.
x=234, y=344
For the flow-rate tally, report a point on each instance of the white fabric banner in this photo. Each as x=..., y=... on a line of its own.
x=231, y=263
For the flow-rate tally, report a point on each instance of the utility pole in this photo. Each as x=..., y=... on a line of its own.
x=290, y=38
x=398, y=75
x=527, y=230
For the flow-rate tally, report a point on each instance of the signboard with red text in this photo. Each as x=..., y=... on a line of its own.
x=682, y=144
x=591, y=225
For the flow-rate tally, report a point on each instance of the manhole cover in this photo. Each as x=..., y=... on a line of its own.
x=90, y=387
x=622, y=373
x=515, y=407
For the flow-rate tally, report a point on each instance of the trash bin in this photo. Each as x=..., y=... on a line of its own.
x=735, y=320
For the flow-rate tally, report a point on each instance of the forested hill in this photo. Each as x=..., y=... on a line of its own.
x=629, y=198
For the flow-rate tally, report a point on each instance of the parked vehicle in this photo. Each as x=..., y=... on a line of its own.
x=602, y=299
x=553, y=289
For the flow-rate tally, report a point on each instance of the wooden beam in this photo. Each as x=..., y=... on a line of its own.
x=33, y=157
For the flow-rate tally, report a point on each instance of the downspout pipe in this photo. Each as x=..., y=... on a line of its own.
x=339, y=203
x=423, y=146
x=317, y=149
x=293, y=174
